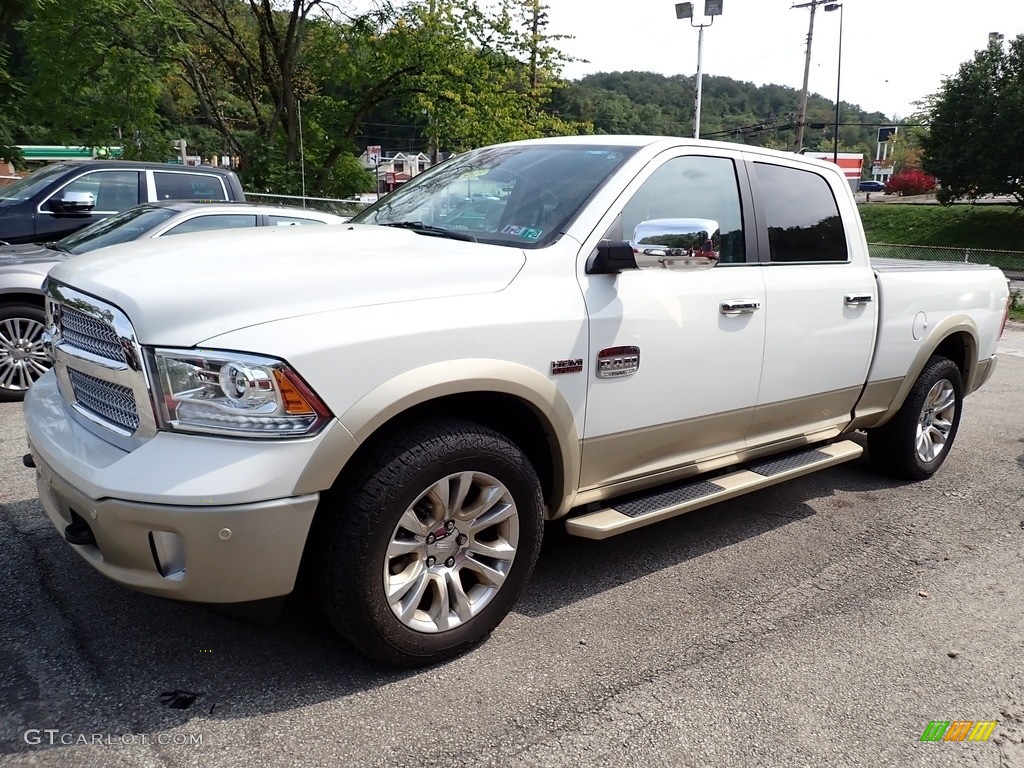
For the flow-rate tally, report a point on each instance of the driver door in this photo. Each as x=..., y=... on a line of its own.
x=692, y=395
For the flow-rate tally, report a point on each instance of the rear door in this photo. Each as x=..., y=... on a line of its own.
x=821, y=305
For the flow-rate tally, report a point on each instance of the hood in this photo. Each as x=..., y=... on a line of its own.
x=180, y=290
x=16, y=255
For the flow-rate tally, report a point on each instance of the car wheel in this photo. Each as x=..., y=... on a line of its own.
x=427, y=546
x=22, y=357
x=915, y=442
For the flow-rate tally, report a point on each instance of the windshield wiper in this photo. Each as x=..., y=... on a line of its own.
x=430, y=229
x=56, y=246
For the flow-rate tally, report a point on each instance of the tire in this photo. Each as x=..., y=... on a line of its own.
x=914, y=443
x=428, y=545
x=22, y=357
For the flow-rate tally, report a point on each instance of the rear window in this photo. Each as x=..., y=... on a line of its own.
x=172, y=185
x=206, y=223
x=802, y=216
x=290, y=221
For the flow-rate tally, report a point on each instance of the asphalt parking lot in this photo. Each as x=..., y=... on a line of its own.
x=824, y=622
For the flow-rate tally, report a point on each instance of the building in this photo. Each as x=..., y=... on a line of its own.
x=393, y=171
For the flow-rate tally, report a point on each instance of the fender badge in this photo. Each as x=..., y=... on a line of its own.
x=567, y=366
x=618, y=361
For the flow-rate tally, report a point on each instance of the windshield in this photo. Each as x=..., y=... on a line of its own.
x=128, y=225
x=519, y=195
x=26, y=187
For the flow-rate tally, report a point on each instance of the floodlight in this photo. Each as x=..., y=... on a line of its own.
x=684, y=10
x=713, y=7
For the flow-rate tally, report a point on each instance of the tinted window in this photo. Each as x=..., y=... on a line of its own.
x=290, y=221
x=219, y=221
x=129, y=225
x=801, y=214
x=188, y=186
x=113, y=191
x=692, y=187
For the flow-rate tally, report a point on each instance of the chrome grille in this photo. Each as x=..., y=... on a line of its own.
x=88, y=333
x=113, y=402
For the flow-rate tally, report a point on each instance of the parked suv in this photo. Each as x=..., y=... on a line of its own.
x=62, y=198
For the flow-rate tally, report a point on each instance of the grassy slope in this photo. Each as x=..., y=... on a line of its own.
x=999, y=227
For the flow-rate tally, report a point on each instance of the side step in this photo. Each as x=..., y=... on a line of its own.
x=663, y=504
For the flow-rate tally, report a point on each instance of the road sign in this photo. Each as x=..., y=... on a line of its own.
x=373, y=154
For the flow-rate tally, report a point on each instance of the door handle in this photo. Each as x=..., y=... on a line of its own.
x=857, y=299
x=739, y=306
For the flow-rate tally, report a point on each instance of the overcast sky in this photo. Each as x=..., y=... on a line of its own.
x=894, y=51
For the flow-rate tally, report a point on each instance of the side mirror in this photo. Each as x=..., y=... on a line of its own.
x=686, y=244
x=73, y=202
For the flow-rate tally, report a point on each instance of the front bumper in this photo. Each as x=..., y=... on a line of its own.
x=187, y=517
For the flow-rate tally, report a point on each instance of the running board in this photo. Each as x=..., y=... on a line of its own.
x=663, y=504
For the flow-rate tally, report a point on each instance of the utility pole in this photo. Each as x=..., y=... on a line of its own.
x=801, y=120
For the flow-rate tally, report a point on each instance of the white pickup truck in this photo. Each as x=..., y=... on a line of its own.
x=606, y=331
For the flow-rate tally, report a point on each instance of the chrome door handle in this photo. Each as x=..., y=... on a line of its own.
x=857, y=299
x=739, y=306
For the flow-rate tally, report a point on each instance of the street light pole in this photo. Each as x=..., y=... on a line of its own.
x=839, y=76
x=712, y=8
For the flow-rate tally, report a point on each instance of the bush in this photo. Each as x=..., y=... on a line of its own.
x=910, y=182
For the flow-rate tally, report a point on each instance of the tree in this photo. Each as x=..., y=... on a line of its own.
x=976, y=127
x=110, y=71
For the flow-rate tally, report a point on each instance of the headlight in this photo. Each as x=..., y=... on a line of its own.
x=233, y=394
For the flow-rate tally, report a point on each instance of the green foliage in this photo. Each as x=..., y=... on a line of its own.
x=648, y=103
x=1017, y=306
x=977, y=127
x=9, y=92
x=99, y=70
x=997, y=227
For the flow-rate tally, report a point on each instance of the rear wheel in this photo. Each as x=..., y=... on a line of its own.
x=427, y=547
x=22, y=356
x=915, y=442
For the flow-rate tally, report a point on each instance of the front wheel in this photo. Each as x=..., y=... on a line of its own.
x=915, y=442
x=428, y=545
x=22, y=356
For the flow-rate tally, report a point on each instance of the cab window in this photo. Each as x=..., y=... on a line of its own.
x=692, y=187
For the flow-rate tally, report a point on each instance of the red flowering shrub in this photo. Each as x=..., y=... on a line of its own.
x=912, y=181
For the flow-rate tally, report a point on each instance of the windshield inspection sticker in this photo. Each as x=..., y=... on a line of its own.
x=527, y=232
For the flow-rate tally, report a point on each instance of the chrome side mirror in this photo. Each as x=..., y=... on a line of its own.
x=74, y=202
x=684, y=244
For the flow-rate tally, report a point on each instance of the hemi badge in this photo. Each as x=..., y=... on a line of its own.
x=567, y=366
x=618, y=361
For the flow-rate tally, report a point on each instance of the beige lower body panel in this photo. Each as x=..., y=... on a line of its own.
x=633, y=461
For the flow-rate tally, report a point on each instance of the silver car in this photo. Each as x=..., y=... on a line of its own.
x=23, y=268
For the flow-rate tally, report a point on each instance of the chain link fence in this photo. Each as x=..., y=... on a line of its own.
x=1011, y=262
x=340, y=207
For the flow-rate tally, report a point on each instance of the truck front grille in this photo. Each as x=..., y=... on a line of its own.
x=112, y=402
x=89, y=333
x=99, y=366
